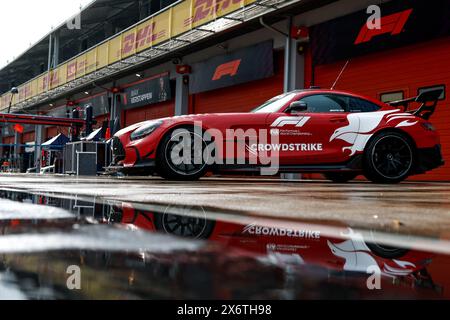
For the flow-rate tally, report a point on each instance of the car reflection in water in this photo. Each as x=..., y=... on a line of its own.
x=244, y=260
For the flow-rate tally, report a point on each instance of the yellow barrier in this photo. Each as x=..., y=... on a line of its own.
x=170, y=23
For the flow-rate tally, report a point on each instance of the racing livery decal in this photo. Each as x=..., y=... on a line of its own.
x=362, y=127
x=358, y=257
x=294, y=121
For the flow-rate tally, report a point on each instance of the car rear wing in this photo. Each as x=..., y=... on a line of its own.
x=428, y=101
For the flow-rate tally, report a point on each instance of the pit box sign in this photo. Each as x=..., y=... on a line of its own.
x=401, y=23
x=148, y=91
x=244, y=65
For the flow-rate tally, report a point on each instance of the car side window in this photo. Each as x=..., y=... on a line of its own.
x=360, y=105
x=325, y=103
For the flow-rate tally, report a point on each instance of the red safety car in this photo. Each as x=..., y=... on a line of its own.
x=333, y=247
x=339, y=134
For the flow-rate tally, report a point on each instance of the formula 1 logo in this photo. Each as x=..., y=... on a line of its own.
x=142, y=38
x=392, y=24
x=294, y=121
x=230, y=68
x=208, y=8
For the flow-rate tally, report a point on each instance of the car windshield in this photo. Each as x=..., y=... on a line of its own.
x=273, y=105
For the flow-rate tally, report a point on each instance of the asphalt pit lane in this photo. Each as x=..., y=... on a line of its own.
x=138, y=251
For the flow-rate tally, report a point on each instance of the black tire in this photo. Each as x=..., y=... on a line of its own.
x=389, y=158
x=184, y=226
x=170, y=169
x=340, y=177
x=387, y=252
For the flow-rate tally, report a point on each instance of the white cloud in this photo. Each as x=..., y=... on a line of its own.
x=24, y=22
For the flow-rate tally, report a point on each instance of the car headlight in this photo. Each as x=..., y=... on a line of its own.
x=145, y=130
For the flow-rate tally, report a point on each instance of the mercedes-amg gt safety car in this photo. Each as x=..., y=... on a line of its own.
x=337, y=133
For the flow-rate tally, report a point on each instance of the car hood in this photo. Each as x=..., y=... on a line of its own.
x=170, y=121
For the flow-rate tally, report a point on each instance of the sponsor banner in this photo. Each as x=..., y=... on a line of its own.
x=401, y=23
x=245, y=65
x=115, y=50
x=149, y=91
x=43, y=83
x=91, y=61
x=169, y=23
x=71, y=70
x=99, y=103
x=102, y=55
x=256, y=230
x=81, y=66
x=285, y=147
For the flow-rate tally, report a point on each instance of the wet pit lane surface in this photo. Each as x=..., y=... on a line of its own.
x=128, y=250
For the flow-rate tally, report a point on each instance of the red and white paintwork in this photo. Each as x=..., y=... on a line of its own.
x=342, y=135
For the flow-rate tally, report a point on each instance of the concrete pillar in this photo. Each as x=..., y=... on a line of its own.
x=38, y=141
x=294, y=77
x=181, y=97
x=55, y=49
x=50, y=51
x=116, y=114
x=17, y=148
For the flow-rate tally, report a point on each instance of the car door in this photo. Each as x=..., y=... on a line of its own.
x=313, y=136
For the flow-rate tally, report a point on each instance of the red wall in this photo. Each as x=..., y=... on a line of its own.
x=52, y=132
x=241, y=98
x=154, y=111
x=28, y=136
x=8, y=140
x=408, y=68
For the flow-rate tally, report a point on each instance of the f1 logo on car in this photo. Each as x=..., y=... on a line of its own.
x=294, y=121
x=230, y=68
x=392, y=24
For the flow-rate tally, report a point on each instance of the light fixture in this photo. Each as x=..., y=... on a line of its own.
x=13, y=91
x=86, y=93
x=138, y=75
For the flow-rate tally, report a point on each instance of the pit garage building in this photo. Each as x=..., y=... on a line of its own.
x=140, y=60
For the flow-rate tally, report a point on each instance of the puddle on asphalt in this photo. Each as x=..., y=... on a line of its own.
x=134, y=251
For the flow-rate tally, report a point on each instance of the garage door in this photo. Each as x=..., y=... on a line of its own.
x=241, y=98
x=8, y=140
x=400, y=72
x=28, y=136
x=154, y=111
x=52, y=132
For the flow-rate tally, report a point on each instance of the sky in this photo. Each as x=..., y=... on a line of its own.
x=24, y=22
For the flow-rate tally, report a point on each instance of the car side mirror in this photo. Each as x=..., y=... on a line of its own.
x=297, y=106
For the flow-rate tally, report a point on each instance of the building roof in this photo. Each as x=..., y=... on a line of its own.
x=100, y=20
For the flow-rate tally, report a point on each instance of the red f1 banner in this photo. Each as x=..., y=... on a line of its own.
x=244, y=65
x=227, y=69
x=401, y=23
x=392, y=24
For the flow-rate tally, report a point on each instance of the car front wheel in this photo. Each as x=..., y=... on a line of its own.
x=181, y=155
x=389, y=158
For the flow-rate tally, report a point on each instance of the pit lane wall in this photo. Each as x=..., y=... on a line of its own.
x=167, y=24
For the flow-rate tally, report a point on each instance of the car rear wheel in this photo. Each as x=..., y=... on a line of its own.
x=181, y=155
x=387, y=252
x=340, y=177
x=389, y=158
